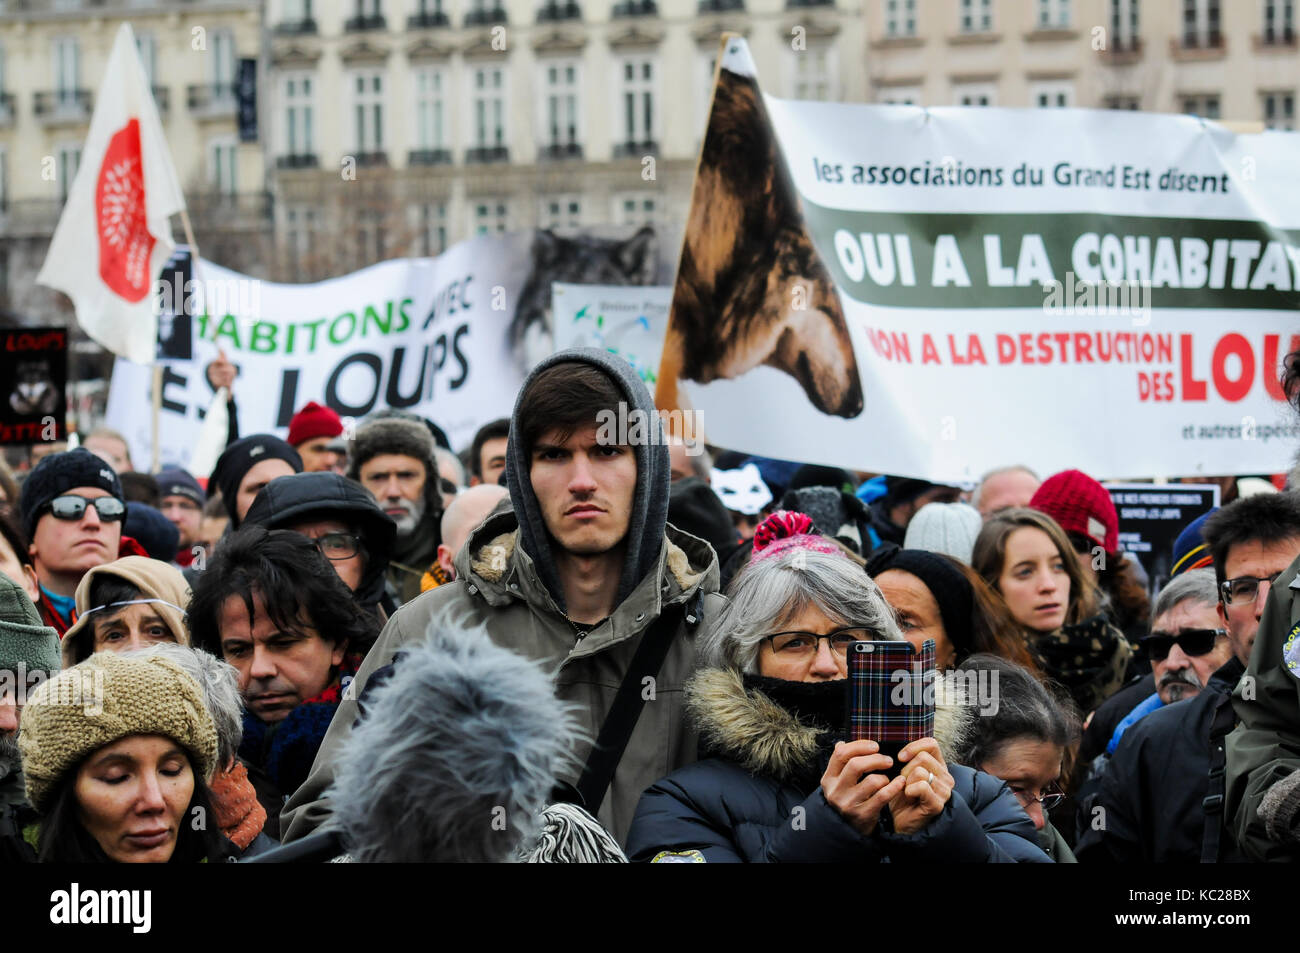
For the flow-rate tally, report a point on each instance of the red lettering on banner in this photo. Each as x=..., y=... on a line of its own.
x=929, y=354
x=976, y=350
x=1025, y=340
x=1006, y=349
x=1192, y=388
x=1083, y=348
x=1231, y=390
x=1272, y=365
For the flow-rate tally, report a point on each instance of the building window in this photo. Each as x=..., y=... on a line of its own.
x=635, y=208
x=900, y=18
x=300, y=224
x=976, y=16
x=223, y=64
x=1201, y=24
x=4, y=178
x=1279, y=22
x=433, y=228
x=489, y=113
x=975, y=94
x=1207, y=106
x=298, y=132
x=813, y=72
x=1053, y=14
x=431, y=109
x=900, y=96
x=67, y=71
x=147, y=47
x=372, y=237
x=221, y=166
x=368, y=113
x=1123, y=24
x=491, y=216
x=560, y=109
x=1279, y=110
x=1122, y=101
x=1051, y=95
x=638, y=106
x=560, y=211
x=707, y=67
x=68, y=159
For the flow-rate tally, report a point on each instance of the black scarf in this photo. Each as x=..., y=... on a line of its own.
x=821, y=705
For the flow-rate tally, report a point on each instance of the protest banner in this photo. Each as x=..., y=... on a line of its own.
x=1151, y=517
x=936, y=292
x=625, y=320
x=34, y=365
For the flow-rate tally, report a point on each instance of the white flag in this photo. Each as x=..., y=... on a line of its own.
x=114, y=234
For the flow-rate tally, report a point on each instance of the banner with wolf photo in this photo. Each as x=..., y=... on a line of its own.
x=937, y=292
x=450, y=338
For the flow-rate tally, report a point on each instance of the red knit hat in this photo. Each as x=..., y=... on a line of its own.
x=1081, y=505
x=313, y=421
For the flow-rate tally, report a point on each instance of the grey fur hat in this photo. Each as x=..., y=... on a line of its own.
x=457, y=752
x=391, y=435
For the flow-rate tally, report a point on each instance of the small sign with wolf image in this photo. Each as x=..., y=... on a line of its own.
x=34, y=367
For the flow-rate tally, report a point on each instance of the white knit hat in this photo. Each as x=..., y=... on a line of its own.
x=948, y=528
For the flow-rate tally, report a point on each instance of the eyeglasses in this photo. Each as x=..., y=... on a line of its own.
x=798, y=644
x=109, y=508
x=1049, y=799
x=1157, y=645
x=338, y=545
x=1244, y=590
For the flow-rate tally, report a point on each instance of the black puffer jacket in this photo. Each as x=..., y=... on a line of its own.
x=750, y=801
x=290, y=500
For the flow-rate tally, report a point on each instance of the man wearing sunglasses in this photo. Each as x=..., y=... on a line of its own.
x=73, y=511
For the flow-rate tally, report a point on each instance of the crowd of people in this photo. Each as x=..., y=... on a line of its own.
x=367, y=647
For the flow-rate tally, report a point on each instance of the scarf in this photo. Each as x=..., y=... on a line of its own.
x=435, y=577
x=821, y=705
x=1090, y=658
x=239, y=815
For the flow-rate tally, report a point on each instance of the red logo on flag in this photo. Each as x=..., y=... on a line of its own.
x=125, y=245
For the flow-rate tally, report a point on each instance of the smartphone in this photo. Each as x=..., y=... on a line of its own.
x=891, y=695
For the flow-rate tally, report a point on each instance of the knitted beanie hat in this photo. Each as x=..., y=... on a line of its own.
x=154, y=579
x=948, y=528
x=314, y=421
x=784, y=530
x=57, y=474
x=104, y=699
x=24, y=639
x=951, y=591
x=240, y=457
x=408, y=437
x=1191, y=551
x=177, y=482
x=1081, y=505
x=155, y=532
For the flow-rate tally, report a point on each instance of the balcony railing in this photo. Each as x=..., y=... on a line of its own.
x=6, y=109
x=809, y=3
x=554, y=11
x=1196, y=41
x=1277, y=37
x=162, y=98
x=481, y=154
x=485, y=15
x=296, y=27
x=429, y=157
x=427, y=20
x=624, y=150
x=721, y=6
x=298, y=160
x=208, y=100
x=371, y=159
x=635, y=8
x=62, y=105
x=362, y=24
x=560, y=150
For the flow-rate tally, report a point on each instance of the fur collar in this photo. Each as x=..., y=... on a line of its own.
x=492, y=561
x=749, y=728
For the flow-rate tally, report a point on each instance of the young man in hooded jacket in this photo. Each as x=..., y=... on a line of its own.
x=575, y=575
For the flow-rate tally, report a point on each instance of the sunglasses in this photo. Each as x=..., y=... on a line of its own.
x=1194, y=642
x=109, y=508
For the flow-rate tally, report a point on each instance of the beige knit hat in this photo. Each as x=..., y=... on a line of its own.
x=155, y=580
x=102, y=700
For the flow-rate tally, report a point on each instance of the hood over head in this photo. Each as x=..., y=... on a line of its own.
x=154, y=578
x=649, y=503
x=290, y=500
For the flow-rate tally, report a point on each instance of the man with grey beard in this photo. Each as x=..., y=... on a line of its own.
x=393, y=457
x=29, y=653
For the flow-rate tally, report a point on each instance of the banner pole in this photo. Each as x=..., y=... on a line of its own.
x=155, y=427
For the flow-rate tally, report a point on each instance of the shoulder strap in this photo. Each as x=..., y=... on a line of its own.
x=626, y=710
x=1222, y=724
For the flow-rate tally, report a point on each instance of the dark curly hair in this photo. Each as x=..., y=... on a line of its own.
x=1291, y=379
x=293, y=578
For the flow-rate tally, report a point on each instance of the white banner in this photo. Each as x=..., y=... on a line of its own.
x=937, y=292
x=627, y=321
x=426, y=335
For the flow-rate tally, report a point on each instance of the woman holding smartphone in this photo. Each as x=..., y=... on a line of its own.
x=775, y=782
x=1028, y=559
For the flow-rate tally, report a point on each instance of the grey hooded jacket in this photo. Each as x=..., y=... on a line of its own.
x=505, y=581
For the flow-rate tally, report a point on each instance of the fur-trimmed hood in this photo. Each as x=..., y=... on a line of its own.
x=744, y=725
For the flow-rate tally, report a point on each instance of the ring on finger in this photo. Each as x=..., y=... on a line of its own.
x=930, y=779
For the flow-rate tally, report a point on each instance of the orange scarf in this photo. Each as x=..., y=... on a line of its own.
x=239, y=815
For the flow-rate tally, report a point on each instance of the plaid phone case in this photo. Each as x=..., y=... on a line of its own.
x=891, y=694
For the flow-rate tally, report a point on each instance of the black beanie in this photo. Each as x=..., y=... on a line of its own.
x=695, y=508
x=951, y=590
x=240, y=457
x=57, y=474
x=811, y=474
x=155, y=532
